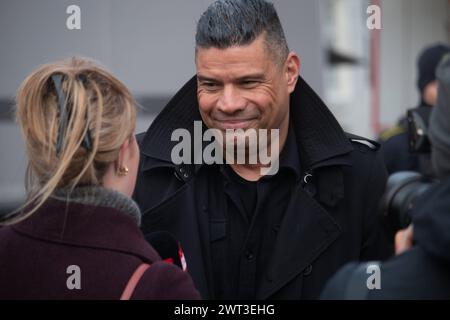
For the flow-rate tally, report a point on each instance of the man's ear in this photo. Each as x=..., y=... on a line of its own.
x=292, y=70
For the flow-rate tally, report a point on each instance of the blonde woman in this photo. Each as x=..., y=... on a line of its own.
x=78, y=235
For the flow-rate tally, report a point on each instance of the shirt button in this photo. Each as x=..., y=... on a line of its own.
x=249, y=255
x=307, y=270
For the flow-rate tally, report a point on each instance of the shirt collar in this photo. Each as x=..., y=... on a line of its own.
x=289, y=156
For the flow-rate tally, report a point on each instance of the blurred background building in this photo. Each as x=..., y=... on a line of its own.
x=367, y=77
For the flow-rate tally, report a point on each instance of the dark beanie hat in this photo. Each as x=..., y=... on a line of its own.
x=427, y=63
x=439, y=131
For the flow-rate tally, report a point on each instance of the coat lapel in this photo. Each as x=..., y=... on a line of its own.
x=307, y=230
x=184, y=214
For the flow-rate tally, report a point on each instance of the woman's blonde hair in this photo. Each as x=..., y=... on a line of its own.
x=66, y=151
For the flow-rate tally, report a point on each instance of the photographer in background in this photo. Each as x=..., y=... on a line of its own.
x=421, y=269
x=396, y=150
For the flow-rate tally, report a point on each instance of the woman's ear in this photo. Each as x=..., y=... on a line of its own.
x=121, y=175
x=292, y=70
x=124, y=155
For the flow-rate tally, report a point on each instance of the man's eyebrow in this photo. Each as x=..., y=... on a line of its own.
x=252, y=76
x=206, y=79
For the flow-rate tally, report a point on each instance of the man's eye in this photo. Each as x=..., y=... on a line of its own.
x=210, y=85
x=249, y=83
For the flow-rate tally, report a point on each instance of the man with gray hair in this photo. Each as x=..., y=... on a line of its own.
x=246, y=234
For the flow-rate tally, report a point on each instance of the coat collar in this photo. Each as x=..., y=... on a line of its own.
x=99, y=196
x=77, y=224
x=309, y=116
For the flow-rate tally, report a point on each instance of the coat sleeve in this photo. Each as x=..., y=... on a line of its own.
x=164, y=281
x=335, y=288
x=376, y=245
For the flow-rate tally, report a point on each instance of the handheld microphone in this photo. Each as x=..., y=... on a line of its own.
x=167, y=247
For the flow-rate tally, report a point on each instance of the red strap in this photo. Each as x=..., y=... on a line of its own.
x=131, y=285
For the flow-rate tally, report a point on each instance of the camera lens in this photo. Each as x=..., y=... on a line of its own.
x=402, y=191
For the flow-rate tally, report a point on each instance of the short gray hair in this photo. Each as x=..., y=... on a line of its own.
x=228, y=23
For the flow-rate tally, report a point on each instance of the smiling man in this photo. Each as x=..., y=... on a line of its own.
x=245, y=87
x=247, y=235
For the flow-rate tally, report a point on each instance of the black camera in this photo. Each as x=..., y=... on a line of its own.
x=403, y=189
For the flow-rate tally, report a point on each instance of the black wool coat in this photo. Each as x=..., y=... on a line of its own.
x=330, y=220
x=38, y=257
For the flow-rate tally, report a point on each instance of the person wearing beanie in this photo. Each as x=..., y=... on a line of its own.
x=421, y=270
x=426, y=81
x=396, y=141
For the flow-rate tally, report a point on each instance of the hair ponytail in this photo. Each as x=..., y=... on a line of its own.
x=100, y=115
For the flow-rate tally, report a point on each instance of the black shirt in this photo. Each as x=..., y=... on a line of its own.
x=245, y=222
